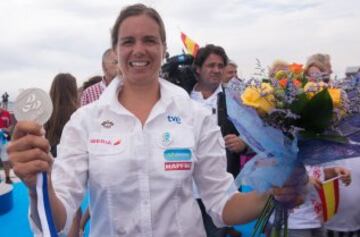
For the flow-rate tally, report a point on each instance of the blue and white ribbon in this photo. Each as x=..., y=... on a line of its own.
x=43, y=205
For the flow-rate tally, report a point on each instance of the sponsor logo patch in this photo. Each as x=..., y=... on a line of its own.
x=174, y=119
x=166, y=139
x=177, y=166
x=100, y=141
x=177, y=159
x=107, y=124
x=177, y=154
x=105, y=141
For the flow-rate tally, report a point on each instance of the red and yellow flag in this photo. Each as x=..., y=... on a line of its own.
x=329, y=195
x=191, y=46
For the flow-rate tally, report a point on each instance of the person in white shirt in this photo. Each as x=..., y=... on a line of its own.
x=346, y=221
x=209, y=64
x=137, y=150
x=306, y=220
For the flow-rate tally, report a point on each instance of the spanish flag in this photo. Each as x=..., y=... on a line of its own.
x=191, y=46
x=329, y=195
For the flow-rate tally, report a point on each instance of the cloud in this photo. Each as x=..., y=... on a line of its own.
x=41, y=38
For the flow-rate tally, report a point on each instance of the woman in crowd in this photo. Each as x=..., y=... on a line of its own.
x=64, y=97
x=138, y=149
x=318, y=67
x=278, y=66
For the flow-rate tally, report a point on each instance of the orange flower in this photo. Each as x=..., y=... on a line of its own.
x=296, y=68
x=297, y=83
x=283, y=83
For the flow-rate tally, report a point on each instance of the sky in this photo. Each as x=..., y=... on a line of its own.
x=40, y=38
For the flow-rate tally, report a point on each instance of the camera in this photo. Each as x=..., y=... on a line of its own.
x=179, y=70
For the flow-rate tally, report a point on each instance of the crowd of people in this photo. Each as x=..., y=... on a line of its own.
x=155, y=159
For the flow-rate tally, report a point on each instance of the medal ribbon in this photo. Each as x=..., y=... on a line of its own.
x=44, y=208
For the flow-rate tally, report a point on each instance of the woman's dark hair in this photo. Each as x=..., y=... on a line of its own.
x=136, y=10
x=204, y=53
x=64, y=96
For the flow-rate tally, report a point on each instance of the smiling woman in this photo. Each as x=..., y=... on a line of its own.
x=139, y=39
x=140, y=43
x=160, y=141
x=140, y=51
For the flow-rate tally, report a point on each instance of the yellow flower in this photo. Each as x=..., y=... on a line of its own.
x=312, y=88
x=261, y=98
x=281, y=75
x=337, y=99
x=335, y=96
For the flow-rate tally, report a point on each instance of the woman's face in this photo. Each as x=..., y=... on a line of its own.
x=314, y=73
x=140, y=50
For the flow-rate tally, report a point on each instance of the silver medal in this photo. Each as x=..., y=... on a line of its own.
x=33, y=104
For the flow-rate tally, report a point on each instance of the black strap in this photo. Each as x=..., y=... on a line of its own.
x=227, y=127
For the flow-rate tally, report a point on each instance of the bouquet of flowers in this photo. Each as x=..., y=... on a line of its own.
x=290, y=120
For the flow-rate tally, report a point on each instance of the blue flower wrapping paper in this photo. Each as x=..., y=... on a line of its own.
x=277, y=154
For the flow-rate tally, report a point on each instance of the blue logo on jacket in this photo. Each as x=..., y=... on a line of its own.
x=174, y=119
x=177, y=154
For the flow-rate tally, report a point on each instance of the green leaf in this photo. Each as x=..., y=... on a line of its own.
x=317, y=114
x=298, y=105
x=327, y=137
x=264, y=217
x=304, y=80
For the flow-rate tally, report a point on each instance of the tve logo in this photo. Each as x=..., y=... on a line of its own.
x=174, y=119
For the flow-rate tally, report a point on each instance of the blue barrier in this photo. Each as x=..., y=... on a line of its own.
x=6, y=198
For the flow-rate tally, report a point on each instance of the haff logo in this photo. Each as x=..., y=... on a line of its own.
x=177, y=166
x=174, y=119
x=107, y=124
x=117, y=142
